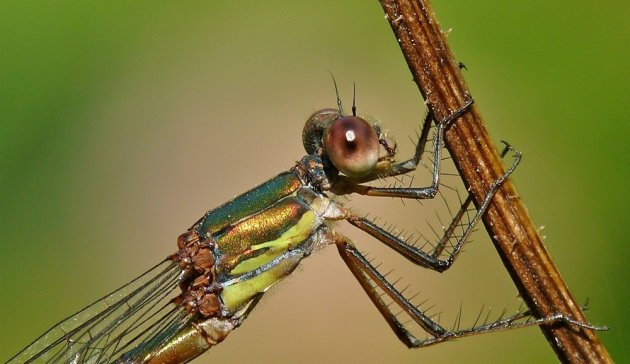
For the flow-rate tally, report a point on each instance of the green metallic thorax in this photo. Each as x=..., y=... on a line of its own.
x=249, y=203
x=259, y=237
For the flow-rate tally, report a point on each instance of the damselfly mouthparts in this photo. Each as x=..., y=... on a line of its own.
x=231, y=256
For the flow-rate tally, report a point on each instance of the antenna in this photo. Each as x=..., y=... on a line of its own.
x=339, y=106
x=354, y=97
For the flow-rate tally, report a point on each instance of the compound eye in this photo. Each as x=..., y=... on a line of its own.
x=352, y=146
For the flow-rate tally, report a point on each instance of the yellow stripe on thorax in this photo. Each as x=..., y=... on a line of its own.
x=290, y=238
x=239, y=293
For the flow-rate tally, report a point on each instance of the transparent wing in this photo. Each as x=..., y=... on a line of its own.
x=133, y=314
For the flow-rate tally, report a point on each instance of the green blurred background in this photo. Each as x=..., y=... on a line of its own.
x=122, y=122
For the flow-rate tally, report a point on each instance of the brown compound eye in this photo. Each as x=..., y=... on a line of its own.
x=352, y=146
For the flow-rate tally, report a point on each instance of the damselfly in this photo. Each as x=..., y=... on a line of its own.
x=231, y=256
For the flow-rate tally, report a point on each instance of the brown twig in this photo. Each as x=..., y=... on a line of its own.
x=512, y=231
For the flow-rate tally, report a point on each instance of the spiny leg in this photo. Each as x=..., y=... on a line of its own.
x=415, y=254
x=366, y=273
x=346, y=185
x=516, y=321
x=459, y=216
x=399, y=329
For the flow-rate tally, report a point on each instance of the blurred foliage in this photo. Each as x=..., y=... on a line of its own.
x=121, y=122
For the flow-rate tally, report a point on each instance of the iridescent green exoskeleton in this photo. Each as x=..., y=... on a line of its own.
x=231, y=256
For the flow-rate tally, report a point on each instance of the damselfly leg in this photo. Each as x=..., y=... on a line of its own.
x=370, y=278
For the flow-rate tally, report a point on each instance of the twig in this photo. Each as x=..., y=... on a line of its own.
x=511, y=229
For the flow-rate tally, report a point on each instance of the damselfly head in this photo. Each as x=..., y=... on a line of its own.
x=353, y=146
